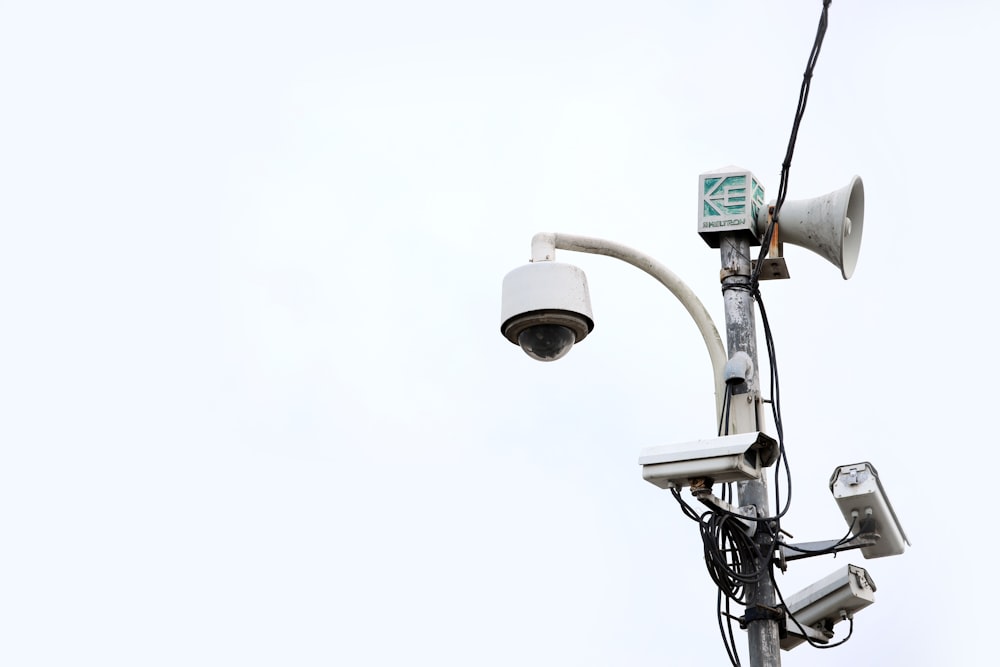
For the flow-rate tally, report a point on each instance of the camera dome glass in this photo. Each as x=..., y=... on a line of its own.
x=546, y=342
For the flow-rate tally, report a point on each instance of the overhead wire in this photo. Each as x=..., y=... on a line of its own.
x=796, y=123
x=782, y=461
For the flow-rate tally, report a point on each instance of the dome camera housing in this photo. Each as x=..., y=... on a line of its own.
x=546, y=309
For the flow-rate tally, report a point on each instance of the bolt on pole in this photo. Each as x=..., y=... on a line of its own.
x=762, y=627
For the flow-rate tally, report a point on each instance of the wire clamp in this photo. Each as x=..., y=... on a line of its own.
x=760, y=613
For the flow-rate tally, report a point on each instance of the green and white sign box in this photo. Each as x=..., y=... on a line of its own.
x=731, y=199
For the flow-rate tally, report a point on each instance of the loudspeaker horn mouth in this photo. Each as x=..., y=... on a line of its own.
x=829, y=225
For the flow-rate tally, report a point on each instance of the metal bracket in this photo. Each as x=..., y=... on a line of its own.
x=705, y=496
x=823, y=548
x=803, y=632
x=773, y=267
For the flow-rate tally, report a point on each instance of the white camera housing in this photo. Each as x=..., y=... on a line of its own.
x=861, y=499
x=827, y=602
x=730, y=458
x=549, y=302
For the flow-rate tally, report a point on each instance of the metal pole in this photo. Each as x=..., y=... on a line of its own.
x=762, y=625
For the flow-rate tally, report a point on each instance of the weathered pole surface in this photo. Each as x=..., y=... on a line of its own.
x=762, y=627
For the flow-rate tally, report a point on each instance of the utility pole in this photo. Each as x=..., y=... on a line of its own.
x=761, y=616
x=545, y=309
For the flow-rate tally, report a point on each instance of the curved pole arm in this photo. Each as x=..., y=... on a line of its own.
x=543, y=248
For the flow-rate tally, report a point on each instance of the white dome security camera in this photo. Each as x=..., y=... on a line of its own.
x=546, y=309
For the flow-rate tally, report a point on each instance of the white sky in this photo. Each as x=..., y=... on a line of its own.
x=255, y=405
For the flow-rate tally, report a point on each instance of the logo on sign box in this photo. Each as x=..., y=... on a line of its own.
x=731, y=199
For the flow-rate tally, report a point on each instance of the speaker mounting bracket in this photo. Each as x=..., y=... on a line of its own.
x=772, y=268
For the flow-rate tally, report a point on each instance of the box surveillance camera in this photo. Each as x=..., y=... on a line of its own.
x=859, y=494
x=825, y=603
x=731, y=458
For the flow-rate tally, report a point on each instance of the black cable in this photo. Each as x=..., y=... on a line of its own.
x=732, y=557
x=686, y=509
x=782, y=460
x=850, y=632
x=727, y=399
x=829, y=550
x=728, y=640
